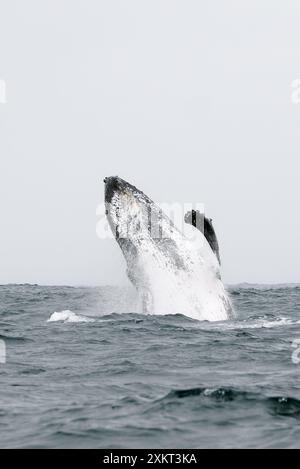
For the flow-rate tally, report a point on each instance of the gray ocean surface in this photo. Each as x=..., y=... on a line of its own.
x=127, y=380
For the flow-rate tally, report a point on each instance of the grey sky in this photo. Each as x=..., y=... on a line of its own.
x=188, y=100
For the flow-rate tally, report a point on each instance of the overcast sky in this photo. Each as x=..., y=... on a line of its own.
x=188, y=100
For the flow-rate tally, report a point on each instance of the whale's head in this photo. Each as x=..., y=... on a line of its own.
x=138, y=225
x=131, y=214
x=128, y=213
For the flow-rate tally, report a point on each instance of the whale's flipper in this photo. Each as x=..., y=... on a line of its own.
x=203, y=224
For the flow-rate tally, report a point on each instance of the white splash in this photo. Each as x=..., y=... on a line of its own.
x=68, y=316
x=266, y=324
x=195, y=291
x=251, y=324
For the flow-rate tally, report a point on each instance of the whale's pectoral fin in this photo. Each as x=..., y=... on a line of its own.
x=203, y=224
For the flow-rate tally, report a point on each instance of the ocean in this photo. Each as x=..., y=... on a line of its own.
x=83, y=369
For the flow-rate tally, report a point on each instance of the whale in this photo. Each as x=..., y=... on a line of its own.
x=174, y=271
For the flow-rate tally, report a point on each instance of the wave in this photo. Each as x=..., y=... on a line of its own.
x=14, y=339
x=68, y=316
x=277, y=405
x=262, y=323
x=177, y=321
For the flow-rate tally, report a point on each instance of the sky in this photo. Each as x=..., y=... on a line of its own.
x=190, y=101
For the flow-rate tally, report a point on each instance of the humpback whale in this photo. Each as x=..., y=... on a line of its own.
x=172, y=272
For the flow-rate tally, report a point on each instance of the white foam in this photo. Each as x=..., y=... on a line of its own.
x=256, y=324
x=68, y=316
x=194, y=291
x=261, y=324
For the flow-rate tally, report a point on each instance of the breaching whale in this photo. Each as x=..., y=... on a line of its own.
x=172, y=272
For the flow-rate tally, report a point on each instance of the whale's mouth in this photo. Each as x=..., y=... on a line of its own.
x=133, y=215
x=127, y=208
x=113, y=185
